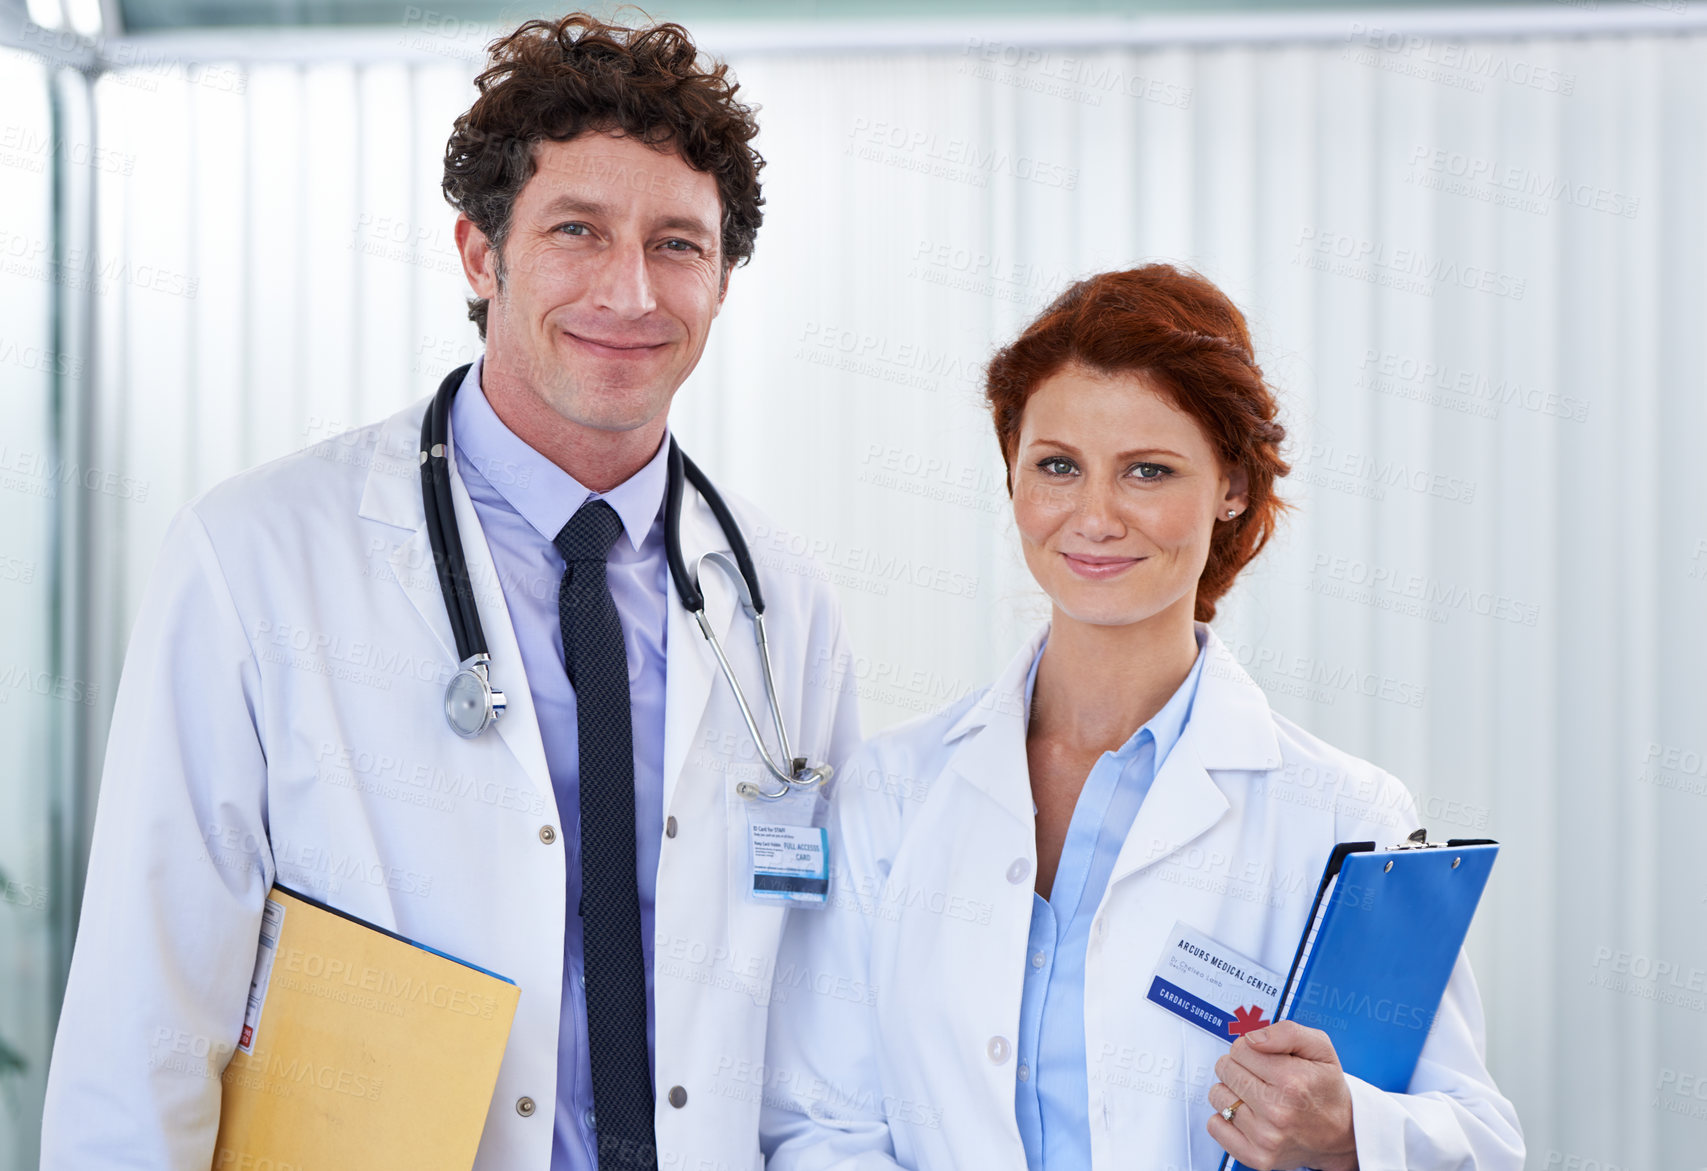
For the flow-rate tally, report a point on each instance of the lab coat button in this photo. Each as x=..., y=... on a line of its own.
x=678, y=1097
x=1018, y=871
x=524, y=1107
x=998, y=1050
x=547, y=834
x=669, y=827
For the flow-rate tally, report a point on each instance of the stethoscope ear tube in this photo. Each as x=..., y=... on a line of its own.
x=470, y=703
x=792, y=772
x=726, y=520
x=435, y=472
x=686, y=587
x=470, y=639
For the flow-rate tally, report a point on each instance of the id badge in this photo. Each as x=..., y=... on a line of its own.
x=1222, y=992
x=788, y=858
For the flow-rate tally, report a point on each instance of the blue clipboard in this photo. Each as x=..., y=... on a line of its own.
x=1383, y=936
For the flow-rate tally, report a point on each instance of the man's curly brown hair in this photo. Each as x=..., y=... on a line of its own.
x=559, y=80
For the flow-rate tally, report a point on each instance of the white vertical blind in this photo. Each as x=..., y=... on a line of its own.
x=1475, y=270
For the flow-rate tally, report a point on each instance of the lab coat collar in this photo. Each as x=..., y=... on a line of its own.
x=1234, y=728
x=990, y=754
x=392, y=496
x=1165, y=726
x=544, y=494
x=1005, y=698
x=392, y=493
x=1230, y=729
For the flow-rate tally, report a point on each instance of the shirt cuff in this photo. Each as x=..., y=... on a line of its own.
x=1377, y=1126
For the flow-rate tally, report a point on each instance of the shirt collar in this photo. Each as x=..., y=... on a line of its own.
x=542, y=493
x=1166, y=725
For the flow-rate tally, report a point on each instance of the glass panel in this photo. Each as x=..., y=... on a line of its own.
x=33, y=692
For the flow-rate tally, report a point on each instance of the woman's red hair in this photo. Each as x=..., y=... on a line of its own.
x=1182, y=334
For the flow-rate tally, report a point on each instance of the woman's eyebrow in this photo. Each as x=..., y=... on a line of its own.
x=1133, y=454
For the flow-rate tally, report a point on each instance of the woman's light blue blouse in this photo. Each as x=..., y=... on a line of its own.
x=1052, y=1099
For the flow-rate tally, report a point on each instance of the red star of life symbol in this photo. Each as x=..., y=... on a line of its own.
x=1247, y=1020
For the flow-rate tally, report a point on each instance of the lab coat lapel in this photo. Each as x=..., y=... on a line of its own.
x=1182, y=803
x=392, y=495
x=1230, y=729
x=691, y=669
x=519, y=725
x=990, y=754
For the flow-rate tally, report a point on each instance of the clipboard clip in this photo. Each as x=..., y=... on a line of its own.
x=1417, y=841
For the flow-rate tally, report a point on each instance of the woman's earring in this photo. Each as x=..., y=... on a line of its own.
x=1231, y=513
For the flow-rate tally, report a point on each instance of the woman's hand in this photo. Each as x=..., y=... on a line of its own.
x=1297, y=1108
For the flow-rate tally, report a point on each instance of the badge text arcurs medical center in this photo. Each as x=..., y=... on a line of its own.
x=1219, y=990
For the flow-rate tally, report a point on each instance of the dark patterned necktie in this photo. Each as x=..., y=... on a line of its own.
x=615, y=965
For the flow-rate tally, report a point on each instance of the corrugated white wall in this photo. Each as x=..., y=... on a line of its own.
x=1475, y=269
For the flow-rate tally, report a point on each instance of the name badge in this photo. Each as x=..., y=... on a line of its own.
x=1221, y=991
x=791, y=863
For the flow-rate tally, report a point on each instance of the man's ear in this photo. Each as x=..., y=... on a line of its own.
x=723, y=288
x=479, y=259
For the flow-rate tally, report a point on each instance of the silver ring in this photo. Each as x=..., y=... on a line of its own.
x=1228, y=1113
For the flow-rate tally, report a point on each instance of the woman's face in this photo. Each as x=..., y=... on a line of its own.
x=1116, y=493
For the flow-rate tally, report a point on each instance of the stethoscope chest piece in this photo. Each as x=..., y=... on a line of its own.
x=471, y=705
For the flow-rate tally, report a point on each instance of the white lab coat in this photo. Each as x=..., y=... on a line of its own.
x=280, y=715
x=895, y=1011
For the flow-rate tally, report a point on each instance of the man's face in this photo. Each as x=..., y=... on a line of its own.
x=611, y=276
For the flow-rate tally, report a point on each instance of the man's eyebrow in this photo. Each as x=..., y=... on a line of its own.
x=570, y=204
x=686, y=224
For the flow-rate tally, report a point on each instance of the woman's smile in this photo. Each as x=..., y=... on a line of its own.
x=1095, y=567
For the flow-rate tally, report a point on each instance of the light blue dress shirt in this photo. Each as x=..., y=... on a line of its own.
x=523, y=500
x=1052, y=1096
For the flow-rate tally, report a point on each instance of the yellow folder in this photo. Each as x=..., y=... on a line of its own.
x=359, y=1049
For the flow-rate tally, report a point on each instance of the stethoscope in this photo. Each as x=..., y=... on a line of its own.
x=471, y=703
